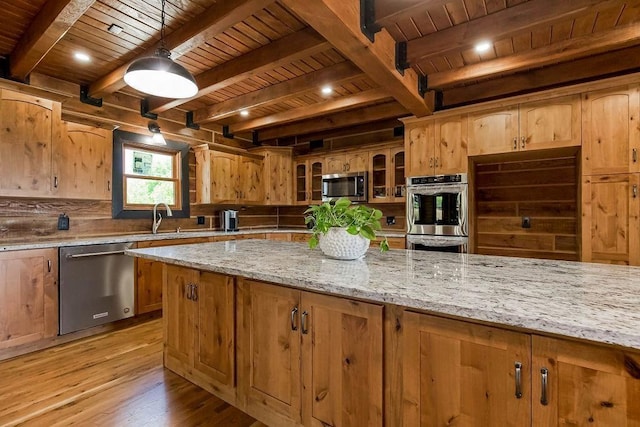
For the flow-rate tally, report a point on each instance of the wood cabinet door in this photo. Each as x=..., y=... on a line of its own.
x=278, y=165
x=357, y=162
x=397, y=179
x=342, y=361
x=610, y=132
x=316, y=169
x=335, y=164
x=301, y=191
x=224, y=177
x=269, y=351
x=451, y=145
x=251, y=180
x=178, y=316
x=214, y=355
x=82, y=162
x=29, y=302
x=610, y=219
x=587, y=385
x=458, y=373
x=28, y=127
x=493, y=132
x=551, y=123
x=419, y=148
x=379, y=174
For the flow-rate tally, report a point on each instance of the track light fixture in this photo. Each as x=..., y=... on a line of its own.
x=158, y=75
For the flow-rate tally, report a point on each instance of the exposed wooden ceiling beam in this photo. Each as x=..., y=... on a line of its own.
x=283, y=51
x=566, y=50
x=215, y=20
x=339, y=22
x=599, y=66
x=336, y=74
x=334, y=121
x=52, y=22
x=498, y=25
x=336, y=105
x=388, y=12
x=360, y=129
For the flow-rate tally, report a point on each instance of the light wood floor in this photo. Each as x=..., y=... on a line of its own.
x=115, y=379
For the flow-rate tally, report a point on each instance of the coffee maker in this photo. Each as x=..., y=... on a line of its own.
x=229, y=220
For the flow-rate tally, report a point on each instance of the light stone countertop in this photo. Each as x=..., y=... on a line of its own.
x=596, y=302
x=56, y=243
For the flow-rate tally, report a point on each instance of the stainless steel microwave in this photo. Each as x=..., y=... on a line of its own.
x=353, y=186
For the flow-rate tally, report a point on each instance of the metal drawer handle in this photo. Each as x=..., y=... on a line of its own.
x=544, y=377
x=305, y=330
x=515, y=143
x=430, y=162
x=523, y=141
x=187, y=291
x=90, y=254
x=55, y=182
x=518, y=367
x=635, y=190
x=635, y=155
x=294, y=325
x=49, y=265
x=194, y=293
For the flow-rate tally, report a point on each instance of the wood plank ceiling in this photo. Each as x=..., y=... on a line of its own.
x=272, y=57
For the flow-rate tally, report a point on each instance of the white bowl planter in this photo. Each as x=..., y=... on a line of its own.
x=339, y=244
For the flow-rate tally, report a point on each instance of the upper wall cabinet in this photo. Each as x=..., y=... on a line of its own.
x=386, y=175
x=82, y=163
x=551, y=123
x=611, y=132
x=227, y=178
x=349, y=162
x=29, y=127
x=437, y=146
x=308, y=181
x=278, y=162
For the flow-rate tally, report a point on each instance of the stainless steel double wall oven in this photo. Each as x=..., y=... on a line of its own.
x=437, y=213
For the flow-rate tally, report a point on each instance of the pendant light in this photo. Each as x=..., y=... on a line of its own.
x=158, y=75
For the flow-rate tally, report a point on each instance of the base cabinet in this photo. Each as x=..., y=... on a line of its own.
x=199, y=328
x=308, y=358
x=28, y=296
x=459, y=373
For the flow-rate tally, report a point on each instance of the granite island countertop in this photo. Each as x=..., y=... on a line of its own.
x=595, y=302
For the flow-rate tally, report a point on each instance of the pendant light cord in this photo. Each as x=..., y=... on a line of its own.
x=162, y=15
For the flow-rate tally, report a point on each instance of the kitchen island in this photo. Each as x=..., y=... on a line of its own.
x=505, y=328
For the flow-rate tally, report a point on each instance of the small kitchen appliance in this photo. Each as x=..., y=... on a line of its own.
x=229, y=220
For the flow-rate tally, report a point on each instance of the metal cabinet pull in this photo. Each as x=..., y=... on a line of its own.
x=544, y=377
x=187, y=291
x=634, y=190
x=524, y=140
x=49, y=265
x=194, y=292
x=109, y=185
x=518, y=367
x=305, y=330
x=635, y=155
x=55, y=182
x=515, y=143
x=436, y=162
x=430, y=162
x=294, y=325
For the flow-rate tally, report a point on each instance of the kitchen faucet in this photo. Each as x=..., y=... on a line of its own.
x=157, y=217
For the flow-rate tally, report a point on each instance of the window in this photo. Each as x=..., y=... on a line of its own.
x=145, y=174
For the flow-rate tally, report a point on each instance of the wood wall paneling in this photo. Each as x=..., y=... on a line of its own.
x=545, y=191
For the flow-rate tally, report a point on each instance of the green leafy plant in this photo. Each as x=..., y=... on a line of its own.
x=357, y=220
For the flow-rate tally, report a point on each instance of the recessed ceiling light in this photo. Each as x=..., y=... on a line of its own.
x=83, y=57
x=244, y=113
x=483, y=47
x=327, y=90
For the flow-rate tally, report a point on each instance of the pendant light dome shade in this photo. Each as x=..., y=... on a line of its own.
x=158, y=75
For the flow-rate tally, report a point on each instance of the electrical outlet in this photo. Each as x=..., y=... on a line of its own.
x=200, y=220
x=391, y=220
x=526, y=222
x=63, y=222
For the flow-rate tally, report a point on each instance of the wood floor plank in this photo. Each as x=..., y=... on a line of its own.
x=114, y=379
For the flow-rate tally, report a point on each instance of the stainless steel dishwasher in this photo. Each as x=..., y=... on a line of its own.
x=96, y=285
